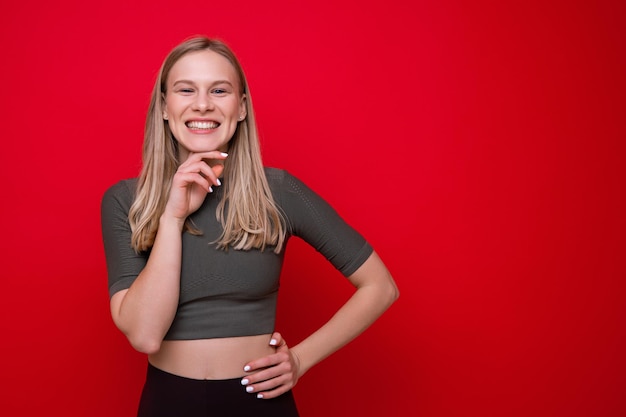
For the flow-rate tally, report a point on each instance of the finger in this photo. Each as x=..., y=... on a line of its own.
x=266, y=383
x=257, y=364
x=278, y=364
x=277, y=340
x=271, y=388
x=208, y=155
x=268, y=395
x=185, y=179
x=218, y=169
x=202, y=168
x=266, y=362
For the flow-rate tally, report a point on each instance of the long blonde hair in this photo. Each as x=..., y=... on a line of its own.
x=250, y=218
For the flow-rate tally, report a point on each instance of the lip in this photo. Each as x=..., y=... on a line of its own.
x=201, y=119
x=201, y=130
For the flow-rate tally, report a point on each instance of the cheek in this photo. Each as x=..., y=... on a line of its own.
x=238, y=110
x=173, y=105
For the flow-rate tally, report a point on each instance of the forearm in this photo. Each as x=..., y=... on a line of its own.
x=147, y=309
x=369, y=301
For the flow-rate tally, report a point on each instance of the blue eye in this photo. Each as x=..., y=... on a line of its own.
x=219, y=91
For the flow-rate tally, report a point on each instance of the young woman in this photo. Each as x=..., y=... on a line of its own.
x=194, y=249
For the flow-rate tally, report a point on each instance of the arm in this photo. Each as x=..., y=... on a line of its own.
x=375, y=292
x=145, y=311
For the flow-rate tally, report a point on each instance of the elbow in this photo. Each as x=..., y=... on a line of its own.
x=393, y=293
x=396, y=293
x=147, y=345
x=139, y=338
x=387, y=292
x=390, y=290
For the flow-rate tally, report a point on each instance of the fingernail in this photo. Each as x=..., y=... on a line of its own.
x=218, y=182
x=246, y=368
x=245, y=381
x=273, y=342
x=259, y=395
x=249, y=389
x=210, y=189
x=224, y=154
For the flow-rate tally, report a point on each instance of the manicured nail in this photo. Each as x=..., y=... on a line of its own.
x=245, y=381
x=259, y=395
x=273, y=342
x=210, y=189
x=218, y=182
x=224, y=154
x=246, y=368
x=249, y=389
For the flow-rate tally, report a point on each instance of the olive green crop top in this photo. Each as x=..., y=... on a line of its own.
x=230, y=293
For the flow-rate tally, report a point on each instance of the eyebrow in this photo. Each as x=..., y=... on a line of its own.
x=191, y=82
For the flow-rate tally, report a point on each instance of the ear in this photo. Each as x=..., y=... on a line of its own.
x=243, y=112
x=163, y=105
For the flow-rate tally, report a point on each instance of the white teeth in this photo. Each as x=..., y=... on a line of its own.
x=194, y=124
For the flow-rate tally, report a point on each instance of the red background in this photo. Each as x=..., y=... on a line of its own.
x=478, y=145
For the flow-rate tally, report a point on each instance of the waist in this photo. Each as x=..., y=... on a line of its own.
x=219, y=358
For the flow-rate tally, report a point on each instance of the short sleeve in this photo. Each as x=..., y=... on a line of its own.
x=314, y=220
x=123, y=263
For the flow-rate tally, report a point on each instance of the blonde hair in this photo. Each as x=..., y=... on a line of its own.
x=249, y=216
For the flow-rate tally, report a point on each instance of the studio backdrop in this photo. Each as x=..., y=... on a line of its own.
x=479, y=146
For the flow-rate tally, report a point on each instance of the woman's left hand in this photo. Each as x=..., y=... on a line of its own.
x=275, y=374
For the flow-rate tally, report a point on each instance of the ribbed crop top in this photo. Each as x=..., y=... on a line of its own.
x=230, y=293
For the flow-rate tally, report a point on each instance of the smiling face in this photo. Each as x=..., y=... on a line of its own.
x=203, y=102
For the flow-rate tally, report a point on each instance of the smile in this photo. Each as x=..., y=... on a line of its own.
x=194, y=124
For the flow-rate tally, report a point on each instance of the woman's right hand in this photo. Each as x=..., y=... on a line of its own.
x=191, y=183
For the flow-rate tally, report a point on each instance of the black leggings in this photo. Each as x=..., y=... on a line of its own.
x=168, y=395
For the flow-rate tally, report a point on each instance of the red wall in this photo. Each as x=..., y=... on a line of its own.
x=478, y=145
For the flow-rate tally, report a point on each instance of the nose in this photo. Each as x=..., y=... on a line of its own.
x=202, y=102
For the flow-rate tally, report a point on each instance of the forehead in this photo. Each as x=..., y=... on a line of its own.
x=203, y=67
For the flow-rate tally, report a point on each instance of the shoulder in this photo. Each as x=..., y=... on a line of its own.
x=291, y=193
x=286, y=186
x=275, y=175
x=277, y=178
x=280, y=179
x=123, y=187
x=121, y=193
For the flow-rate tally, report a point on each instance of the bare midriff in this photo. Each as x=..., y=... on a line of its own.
x=222, y=358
